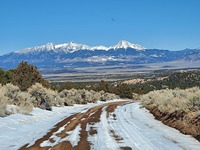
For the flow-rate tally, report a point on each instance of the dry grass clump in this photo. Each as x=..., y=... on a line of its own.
x=13, y=100
x=173, y=100
x=3, y=103
x=70, y=97
x=24, y=102
x=12, y=95
x=44, y=98
x=11, y=91
x=74, y=96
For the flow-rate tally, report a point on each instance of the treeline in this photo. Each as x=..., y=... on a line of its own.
x=24, y=76
x=180, y=80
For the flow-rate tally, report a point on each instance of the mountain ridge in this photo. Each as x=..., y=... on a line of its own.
x=73, y=55
x=71, y=47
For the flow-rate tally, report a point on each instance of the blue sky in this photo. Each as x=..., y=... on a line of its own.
x=164, y=24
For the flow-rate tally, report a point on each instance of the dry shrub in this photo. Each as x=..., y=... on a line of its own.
x=173, y=100
x=108, y=96
x=24, y=102
x=11, y=91
x=43, y=97
x=96, y=96
x=3, y=103
x=12, y=95
x=87, y=96
x=13, y=100
x=83, y=96
x=70, y=97
x=11, y=109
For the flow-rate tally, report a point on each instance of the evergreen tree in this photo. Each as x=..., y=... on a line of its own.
x=67, y=85
x=124, y=91
x=26, y=75
x=1, y=75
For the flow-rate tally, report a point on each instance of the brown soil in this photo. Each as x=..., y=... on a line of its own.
x=184, y=122
x=91, y=116
x=126, y=148
x=117, y=137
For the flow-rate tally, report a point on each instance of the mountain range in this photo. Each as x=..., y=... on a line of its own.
x=72, y=55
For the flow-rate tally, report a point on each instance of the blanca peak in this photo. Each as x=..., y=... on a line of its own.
x=125, y=44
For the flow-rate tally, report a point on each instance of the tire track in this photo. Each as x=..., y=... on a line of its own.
x=56, y=138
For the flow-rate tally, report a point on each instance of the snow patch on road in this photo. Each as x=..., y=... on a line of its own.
x=103, y=139
x=74, y=136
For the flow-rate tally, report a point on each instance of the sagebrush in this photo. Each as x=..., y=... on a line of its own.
x=174, y=100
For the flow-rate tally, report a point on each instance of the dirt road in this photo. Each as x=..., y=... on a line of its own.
x=115, y=125
x=53, y=138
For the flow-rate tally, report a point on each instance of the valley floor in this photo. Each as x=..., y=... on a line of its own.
x=102, y=126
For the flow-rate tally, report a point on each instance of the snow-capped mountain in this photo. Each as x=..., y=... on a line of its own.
x=47, y=47
x=71, y=47
x=66, y=47
x=124, y=44
x=71, y=54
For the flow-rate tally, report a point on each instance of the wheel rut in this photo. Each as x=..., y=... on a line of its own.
x=62, y=135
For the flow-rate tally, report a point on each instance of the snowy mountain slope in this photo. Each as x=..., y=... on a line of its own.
x=112, y=125
x=71, y=47
x=125, y=44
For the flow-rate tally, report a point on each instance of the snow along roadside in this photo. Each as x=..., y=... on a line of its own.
x=17, y=130
x=140, y=131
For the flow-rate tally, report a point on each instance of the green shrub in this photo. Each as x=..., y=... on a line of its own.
x=26, y=75
x=124, y=91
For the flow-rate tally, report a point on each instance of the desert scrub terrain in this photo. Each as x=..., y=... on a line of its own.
x=23, y=88
x=177, y=108
x=13, y=100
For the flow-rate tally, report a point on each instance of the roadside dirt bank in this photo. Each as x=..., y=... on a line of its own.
x=179, y=120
